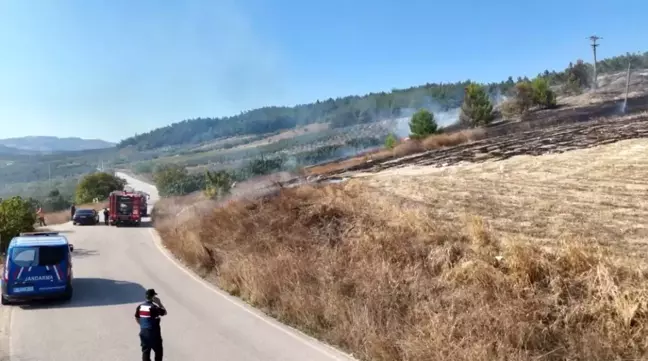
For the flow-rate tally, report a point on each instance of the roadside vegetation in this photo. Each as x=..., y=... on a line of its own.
x=388, y=279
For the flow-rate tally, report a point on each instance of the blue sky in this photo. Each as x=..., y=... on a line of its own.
x=111, y=68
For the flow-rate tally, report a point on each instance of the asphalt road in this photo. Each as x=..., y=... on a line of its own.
x=113, y=267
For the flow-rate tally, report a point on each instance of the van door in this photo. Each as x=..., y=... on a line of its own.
x=38, y=269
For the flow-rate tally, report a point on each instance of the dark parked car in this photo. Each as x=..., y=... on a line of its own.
x=85, y=217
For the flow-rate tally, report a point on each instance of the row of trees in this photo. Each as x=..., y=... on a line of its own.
x=478, y=110
x=351, y=110
x=176, y=180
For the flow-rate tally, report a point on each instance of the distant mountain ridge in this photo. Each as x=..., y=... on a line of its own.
x=4, y=150
x=47, y=144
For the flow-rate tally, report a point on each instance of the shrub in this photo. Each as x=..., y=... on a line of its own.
x=218, y=184
x=175, y=180
x=16, y=215
x=542, y=95
x=390, y=141
x=422, y=124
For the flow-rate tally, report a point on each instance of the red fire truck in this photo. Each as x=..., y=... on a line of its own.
x=125, y=208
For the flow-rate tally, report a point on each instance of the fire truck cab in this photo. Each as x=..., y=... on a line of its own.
x=125, y=208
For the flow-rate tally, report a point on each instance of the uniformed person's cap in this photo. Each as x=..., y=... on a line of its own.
x=150, y=293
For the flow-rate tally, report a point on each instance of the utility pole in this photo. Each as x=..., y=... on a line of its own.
x=594, y=45
x=625, y=101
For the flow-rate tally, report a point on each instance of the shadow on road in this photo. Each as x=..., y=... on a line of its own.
x=93, y=292
x=146, y=224
x=83, y=252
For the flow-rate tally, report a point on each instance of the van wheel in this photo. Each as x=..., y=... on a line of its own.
x=4, y=301
x=68, y=294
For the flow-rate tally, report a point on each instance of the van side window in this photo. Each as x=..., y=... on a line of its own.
x=24, y=257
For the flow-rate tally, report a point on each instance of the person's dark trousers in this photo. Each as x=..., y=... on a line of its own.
x=151, y=340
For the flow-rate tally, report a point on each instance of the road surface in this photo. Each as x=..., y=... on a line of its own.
x=113, y=267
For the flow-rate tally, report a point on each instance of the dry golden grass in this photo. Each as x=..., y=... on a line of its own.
x=412, y=275
x=402, y=149
x=64, y=216
x=597, y=193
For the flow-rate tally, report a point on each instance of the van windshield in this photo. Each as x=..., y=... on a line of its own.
x=39, y=256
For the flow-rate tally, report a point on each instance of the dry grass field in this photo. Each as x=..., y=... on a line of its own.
x=598, y=194
x=529, y=258
x=404, y=148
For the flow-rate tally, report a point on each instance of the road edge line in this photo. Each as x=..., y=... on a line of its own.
x=5, y=332
x=314, y=343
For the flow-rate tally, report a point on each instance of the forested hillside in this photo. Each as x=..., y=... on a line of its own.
x=346, y=111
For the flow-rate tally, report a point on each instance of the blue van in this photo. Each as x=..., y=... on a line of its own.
x=38, y=266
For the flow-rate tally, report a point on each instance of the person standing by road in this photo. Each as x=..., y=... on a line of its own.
x=41, y=217
x=148, y=316
x=106, y=214
x=72, y=211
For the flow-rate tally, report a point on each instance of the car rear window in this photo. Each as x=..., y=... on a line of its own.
x=39, y=256
x=84, y=211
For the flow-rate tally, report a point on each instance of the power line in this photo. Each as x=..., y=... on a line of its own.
x=594, y=45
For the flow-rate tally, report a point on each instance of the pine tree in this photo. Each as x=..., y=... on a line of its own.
x=390, y=141
x=422, y=124
x=543, y=96
x=477, y=109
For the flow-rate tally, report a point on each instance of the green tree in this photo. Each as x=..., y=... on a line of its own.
x=16, y=216
x=422, y=124
x=577, y=78
x=543, y=96
x=390, y=141
x=477, y=109
x=520, y=102
x=55, y=201
x=175, y=180
x=263, y=165
x=98, y=185
x=218, y=184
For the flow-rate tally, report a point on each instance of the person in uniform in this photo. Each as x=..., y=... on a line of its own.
x=148, y=316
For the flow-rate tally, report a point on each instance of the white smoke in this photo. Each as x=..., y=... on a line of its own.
x=443, y=118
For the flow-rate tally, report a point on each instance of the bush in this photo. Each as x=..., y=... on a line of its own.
x=55, y=201
x=390, y=141
x=477, y=109
x=422, y=124
x=527, y=95
x=542, y=95
x=577, y=78
x=175, y=180
x=263, y=166
x=218, y=184
x=16, y=215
